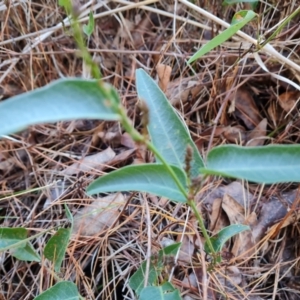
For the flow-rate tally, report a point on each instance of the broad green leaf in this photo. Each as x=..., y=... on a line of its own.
x=13, y=237
x=89, y=28
x=26, y=254
x=64, y=290
x=167, y=131
x=240, y=19
x=64, y=99
x=56, y=247
x=136, y=281
x=224, y=235
x=266, y=164
x=151, y=178
x=164, y=292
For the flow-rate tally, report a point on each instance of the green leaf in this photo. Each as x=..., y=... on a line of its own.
x=66, y=4
x=26, y=254
x=164, y=292
x=56, y=247
x=266, y=164
x=64, y=99
x=171, y=249
x=64, y=290
x=12, y=238
x=167, y=131
x=89, y=28
x=15, y=239
x=240, y=19
x=136, y=281
x=151, y=178
x=224, y=235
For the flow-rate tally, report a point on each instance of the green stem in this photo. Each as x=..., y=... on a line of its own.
x=280, y=27
x=136, y=136
x=126, y=123
x=191, y=203
x=193, y=206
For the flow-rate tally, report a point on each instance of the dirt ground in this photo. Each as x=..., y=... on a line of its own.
x=227, y=98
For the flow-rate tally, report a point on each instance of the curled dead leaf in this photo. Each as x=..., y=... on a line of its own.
x=258, y=135
x=244, y=244
x=164, y=75
x=218, y=218
x=246, y=108
x=288, y=100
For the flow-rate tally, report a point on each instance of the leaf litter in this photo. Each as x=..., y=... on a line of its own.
x=262, y=263
x=98, y=215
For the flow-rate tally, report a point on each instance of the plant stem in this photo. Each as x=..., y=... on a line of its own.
x=135, y=135
x=193, y=206
x=280, y=27
x=126, y=123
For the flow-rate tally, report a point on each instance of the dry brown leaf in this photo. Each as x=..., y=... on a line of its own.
x=272, y=212
x=127, y=141
x=164, y=75
x=244, y=242
x=235, y=134
x=99, y=215
x=291, y=219
x=234, y=189
x=183, y=89
x=273, y=113
x=234, y=210
x=218, y=219
x=124, y=155
x=288, y=100
x=246, y=108
x=96, y=161
x=258, y=134
x=141, y=154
